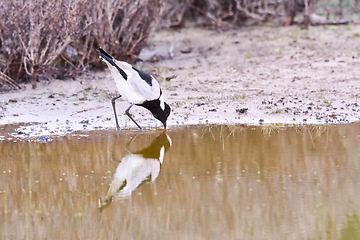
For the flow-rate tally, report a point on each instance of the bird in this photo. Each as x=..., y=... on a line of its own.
x=136, y=168
x=136, y=87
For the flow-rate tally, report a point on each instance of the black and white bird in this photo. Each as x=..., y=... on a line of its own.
x=136, y=168
x=136, y=87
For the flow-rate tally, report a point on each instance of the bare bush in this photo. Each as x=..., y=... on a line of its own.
x=174, y=12
x=37, y=32
x=58, y=38
x=219, y=12
x=120, y=27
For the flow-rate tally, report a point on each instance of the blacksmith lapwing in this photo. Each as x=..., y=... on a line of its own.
x=136, y=87
x=136, y=168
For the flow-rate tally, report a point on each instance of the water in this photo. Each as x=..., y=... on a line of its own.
x=214, y=182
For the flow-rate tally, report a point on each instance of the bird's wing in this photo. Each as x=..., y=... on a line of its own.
x=144, y=86
x=144, y=76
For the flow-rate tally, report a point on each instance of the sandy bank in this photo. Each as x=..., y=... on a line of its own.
x=248, y=76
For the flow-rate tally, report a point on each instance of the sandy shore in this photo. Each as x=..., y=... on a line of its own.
x=256, y=75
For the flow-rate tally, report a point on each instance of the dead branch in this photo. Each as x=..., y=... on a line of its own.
x=6, y=79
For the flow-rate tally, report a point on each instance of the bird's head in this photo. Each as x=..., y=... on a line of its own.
x=162, y=115
x=159, y=109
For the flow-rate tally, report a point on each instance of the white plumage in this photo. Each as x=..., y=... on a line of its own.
x=136, y=87
x=134, y=90
x=135, y=168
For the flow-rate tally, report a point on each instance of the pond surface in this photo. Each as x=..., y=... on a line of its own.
x=213, y=182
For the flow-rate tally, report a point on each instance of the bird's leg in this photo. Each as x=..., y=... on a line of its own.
x=129, y=115
x=127, y=146
x=113, y=104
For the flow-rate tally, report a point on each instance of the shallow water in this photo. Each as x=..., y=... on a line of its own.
x=214, y=182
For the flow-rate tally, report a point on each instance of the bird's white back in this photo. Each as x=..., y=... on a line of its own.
x=135, y=89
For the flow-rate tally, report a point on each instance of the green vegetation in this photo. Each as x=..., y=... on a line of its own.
x=327, y=102
x=247, y=55
x=277, y=111
x=237, y=96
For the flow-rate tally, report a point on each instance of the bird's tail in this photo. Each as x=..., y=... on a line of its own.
x=110, y=59
x=106, y=56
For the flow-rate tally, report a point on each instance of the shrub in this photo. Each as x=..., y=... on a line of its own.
x=216, y=13
x=230, y=13
x=58, y=38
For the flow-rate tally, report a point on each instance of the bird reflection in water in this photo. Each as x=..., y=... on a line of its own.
x=136, y=168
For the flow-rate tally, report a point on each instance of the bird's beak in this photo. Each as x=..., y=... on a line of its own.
x=164, y=123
